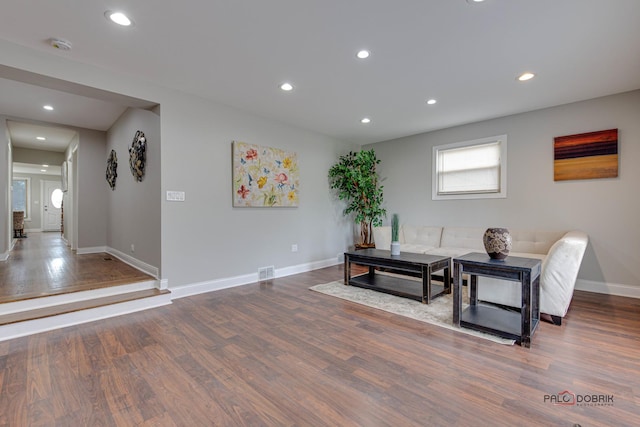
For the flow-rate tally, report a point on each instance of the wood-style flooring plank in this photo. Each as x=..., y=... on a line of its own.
x=278, y=354
x=42, y=265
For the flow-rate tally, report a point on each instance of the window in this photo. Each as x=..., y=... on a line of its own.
x=470, y=169
x=21, y=196
x=56, y=198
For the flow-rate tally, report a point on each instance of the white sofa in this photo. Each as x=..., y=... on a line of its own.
x=561, y=254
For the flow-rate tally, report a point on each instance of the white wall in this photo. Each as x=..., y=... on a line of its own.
x=70, y=201
x=134, y=207
x=607, y=209
x=6, y=219
x=92, y=189
x=38, y=157
x=204, y=239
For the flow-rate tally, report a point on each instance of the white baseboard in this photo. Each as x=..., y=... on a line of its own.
x=33, y=230
x=215, y=285
x=608, y=288
x=4, y=256
x=91, y=250
x=212, y=285
x=134, y=262
x=303, y=268
x=127, y=259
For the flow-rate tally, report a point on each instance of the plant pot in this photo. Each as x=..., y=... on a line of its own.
x=359, y=246
x=395, y=248
x=497, y=242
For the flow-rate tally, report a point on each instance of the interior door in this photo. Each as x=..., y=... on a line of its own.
x=52, y=206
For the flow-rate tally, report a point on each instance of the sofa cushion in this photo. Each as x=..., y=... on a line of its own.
x=451, y=252
x=427, y=236
x=382, y=237
x=412, y=247
x=463, y=237
x=534, y=242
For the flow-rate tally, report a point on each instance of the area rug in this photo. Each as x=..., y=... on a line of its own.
x=439, y=312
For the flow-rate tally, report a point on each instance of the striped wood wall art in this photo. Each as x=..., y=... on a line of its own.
x=586, y=156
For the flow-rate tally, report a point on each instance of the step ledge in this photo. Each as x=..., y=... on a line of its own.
x=71, y=297
x=30, y=327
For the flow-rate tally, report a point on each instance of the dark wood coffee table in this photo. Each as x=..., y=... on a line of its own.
x=405, y=265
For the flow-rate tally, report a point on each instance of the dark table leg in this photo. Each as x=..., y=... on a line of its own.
x=426, y=284
x=347, y=269
x=526, y=310
x=457, y=297
x=372, y=272
x=473, y=289
x=447, y=278
x=535, y=296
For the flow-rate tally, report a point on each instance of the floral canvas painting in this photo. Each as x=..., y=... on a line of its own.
x=264, y=176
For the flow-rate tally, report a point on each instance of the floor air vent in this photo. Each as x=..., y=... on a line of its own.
x=266, y=273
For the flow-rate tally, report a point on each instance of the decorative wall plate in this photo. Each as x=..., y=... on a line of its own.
x=112, y=169
x=138, y=156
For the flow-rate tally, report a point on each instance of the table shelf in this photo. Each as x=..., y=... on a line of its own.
x=421, y=266
x=494, y=320
x=395, y=285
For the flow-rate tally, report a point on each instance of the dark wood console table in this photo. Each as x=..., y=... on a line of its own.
x=407, y=264
x=518, y=326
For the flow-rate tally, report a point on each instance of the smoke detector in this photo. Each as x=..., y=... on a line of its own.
x=60, y=44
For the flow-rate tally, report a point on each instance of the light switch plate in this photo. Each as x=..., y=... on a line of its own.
x=175, y=196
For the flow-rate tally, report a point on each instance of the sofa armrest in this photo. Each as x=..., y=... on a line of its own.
x=560, y=271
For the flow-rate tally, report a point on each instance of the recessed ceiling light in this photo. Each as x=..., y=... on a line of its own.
x=48, y=107
x=45, y=166
x=431, y=101
x=363, y=54
x=365, y=120
x=526, y=76
x=43, y=170
x=286, y=86
x=119, y=18
x=474, y=1
x=40, y=138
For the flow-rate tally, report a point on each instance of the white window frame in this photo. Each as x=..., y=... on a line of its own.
x=27, y=203
x=435, y=173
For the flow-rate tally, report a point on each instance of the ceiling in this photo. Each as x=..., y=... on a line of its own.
x=33, y=169
x=28, y=135
x=465, y=55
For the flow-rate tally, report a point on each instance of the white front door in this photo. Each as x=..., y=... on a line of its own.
x=51, y=206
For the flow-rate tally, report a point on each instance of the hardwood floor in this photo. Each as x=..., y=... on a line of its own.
x=278, y=354
x=42, y=265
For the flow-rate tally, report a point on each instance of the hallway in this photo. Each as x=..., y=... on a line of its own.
x=42, y=265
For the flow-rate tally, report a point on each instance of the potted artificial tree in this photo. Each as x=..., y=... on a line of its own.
x=395, y=228
x=356, y=181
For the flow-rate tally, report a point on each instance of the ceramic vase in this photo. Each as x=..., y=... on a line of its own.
x=395, y=248
x=497, y=242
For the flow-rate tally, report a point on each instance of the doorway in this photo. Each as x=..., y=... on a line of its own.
x=81, y=113
x=51, y=206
